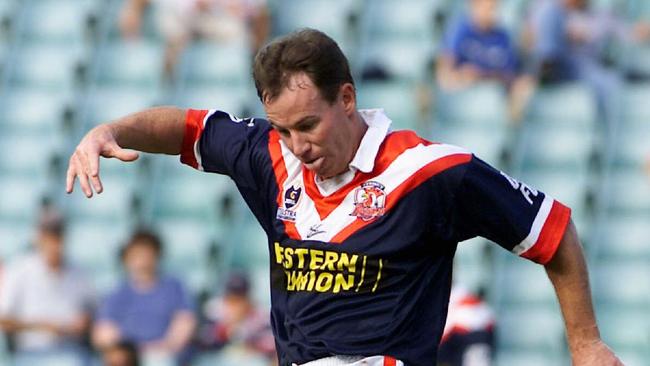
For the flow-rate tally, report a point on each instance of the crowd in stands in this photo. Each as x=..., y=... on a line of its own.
x=561, y=41
x=49, y=309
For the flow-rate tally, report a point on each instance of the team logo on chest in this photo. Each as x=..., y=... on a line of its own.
x=291, y=200
x=369, y=201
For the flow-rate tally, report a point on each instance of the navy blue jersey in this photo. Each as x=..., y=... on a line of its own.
x=366, y=269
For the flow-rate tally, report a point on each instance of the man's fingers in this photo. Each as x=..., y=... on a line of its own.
x=70, y=178
x=81, y=169
x=122, y=154
x=93, y=164
x=97, y=184
x=85, y=184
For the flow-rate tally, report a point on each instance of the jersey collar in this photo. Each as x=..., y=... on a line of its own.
x=378, y=125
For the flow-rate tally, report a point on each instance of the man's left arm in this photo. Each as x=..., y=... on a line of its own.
x=567, y=270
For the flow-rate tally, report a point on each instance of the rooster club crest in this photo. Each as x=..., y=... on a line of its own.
x=291, y=199
x=369, y=201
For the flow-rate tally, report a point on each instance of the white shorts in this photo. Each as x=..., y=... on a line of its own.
x=354, y=361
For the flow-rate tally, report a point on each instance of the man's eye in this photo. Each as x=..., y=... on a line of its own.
x=307, y=127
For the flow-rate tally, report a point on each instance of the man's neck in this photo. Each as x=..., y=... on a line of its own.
x=144, y=282
x=358, y=130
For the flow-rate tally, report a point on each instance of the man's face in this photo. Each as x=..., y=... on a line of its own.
x=141, y=260
x=317, y=132
x=50, y=246
x=484, y=13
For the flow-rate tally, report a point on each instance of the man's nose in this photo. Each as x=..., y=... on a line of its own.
x=299, y=144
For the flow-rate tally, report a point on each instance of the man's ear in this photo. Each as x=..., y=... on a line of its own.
x=348, y=97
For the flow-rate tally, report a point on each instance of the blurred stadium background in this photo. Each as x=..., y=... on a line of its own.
x=64, y=69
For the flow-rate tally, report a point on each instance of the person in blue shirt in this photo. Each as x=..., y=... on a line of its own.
x=477, y=49
x=149, y=309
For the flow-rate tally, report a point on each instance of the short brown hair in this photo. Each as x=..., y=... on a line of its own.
x=305, y=50
x=143, y=237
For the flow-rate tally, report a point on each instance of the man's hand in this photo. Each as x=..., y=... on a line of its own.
x=594, y=353
x=84, y=162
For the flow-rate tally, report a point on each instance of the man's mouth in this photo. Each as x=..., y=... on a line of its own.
x=311, y=163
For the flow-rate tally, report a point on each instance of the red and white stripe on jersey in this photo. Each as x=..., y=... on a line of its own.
x=467, y=313
x=195, y=121
x=546, y=232
x=366, y=361
x=404, y=162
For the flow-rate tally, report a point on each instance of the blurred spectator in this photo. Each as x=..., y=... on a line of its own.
x=181, y=21
x=46, y=302
x=567, y=41
x=153, y=311
x=121, y=354
x=477, y=48
x=235, y=321
x=468, y=338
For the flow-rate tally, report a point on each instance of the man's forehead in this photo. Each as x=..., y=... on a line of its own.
x=300, y=98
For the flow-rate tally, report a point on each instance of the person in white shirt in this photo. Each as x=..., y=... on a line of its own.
x=46, y=302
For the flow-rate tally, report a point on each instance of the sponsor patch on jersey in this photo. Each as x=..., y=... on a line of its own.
x=369, y=201
x=291, y=199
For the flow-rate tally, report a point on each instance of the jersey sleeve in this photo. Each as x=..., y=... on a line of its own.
x=217, y=142
x=523, y=220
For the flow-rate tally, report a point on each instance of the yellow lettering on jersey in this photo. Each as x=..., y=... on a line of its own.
x=296, y=281
x=324, y=282
x=341, y=282
x=300, y=252
x=312, y=279
x=316, y=259
x=347, y=262
x=330, y=260
x=288, y=258
x=318, y=270
x=278, y=253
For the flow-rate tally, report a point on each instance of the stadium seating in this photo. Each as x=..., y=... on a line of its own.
x=403, y=111
x=46, y=67
x=412, y=19
x=210, y=64
x=61, y=22
x=187, y=245
x=235, y=100
x=46, y=120
x=388, y=54
x=136, y=63
x=472, y=266
x=93, y=245
x=122, y=99
x=625, y=237
x=15, y=238
x=543, y=329
x=475, y=119
x=289, y=15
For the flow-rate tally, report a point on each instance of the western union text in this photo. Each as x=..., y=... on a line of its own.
x=318, y=270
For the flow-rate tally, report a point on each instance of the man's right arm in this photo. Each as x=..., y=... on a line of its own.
x=155, y=130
